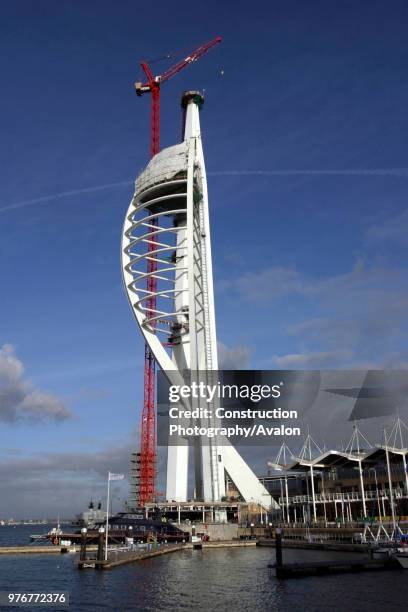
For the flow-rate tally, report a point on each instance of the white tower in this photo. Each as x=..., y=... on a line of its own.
x=168, y=219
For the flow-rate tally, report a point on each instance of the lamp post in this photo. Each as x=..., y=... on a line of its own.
x=129, y=537
x=82, y=554
x=101, y=538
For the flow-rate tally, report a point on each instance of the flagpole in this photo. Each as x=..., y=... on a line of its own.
x=107, y=520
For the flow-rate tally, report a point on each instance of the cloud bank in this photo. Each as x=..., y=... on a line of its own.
x=356, y=319
x=20, y=399
x=48, y=484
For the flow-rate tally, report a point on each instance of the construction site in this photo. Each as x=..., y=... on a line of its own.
x=167, y=273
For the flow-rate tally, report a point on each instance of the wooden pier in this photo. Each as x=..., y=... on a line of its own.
x=324, y=568
x=122, y=557
x=37, y=550
x=29, y=550
x=325, y=545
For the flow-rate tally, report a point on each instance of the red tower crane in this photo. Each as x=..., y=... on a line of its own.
x=147, y=454
x=153, y=84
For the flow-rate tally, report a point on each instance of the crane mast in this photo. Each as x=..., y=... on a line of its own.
x=147, y=454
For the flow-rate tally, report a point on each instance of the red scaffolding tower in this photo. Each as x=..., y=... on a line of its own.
x=147, y=455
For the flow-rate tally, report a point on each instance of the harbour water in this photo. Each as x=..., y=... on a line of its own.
x=19, y=535
x=218, y=579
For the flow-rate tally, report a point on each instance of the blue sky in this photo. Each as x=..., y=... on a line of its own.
x=310, y=260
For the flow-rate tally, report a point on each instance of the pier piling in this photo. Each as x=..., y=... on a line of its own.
x=82, y=552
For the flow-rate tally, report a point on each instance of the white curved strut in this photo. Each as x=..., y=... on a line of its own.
x=172, y=193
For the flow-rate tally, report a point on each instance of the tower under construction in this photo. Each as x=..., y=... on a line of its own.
x=166, y=237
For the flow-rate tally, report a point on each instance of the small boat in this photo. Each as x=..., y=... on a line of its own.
x=53, y=535
x=38, y=537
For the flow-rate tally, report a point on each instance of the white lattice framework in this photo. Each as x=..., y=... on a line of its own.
x=168, y=221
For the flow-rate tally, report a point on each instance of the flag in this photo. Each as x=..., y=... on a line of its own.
x=115, y=476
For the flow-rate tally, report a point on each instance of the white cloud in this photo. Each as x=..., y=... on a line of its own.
x=393, y=230
x=357, y=316
x=270, y=283
x=362, y=281
x=19, y=399
x=316, y=360
x=233, y=358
